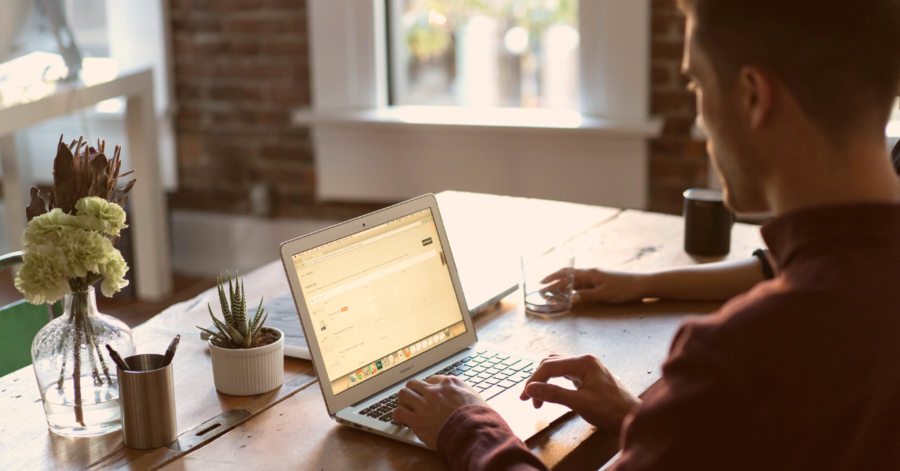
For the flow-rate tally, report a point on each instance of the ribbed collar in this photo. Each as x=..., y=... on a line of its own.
x=857, y=223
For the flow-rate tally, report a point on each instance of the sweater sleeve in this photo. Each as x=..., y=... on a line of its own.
x=691, y=419
x=476, y=438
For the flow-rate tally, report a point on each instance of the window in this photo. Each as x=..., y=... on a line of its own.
x=893, y=127
x=484, y=53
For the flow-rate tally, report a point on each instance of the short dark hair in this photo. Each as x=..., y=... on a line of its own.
x=840, y=59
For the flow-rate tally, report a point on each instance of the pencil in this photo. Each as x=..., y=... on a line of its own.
x=170, y=352
x=116, y=358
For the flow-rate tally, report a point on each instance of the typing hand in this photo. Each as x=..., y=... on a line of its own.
x=599, y=398
x=426, y=405
x=602, y=286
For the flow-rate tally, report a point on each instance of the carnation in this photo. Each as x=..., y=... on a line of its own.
x=65, y=252
x=85, y=251
x=100, y=215
x=113, y=271
x=48, y=227
x=42, y=279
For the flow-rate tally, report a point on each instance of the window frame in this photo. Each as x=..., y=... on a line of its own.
x=349, y=79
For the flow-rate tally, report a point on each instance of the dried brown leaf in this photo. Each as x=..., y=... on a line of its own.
x=85, y=175
x=122, y=201
x=99, y=182
x=124, y=190
x=64, y=180
x=37, y=206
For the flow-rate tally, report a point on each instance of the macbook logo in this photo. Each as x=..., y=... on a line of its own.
x=404, y=370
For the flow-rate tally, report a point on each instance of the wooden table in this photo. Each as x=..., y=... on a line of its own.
x=290, y=428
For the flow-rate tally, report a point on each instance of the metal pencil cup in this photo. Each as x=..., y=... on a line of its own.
x=147, y=398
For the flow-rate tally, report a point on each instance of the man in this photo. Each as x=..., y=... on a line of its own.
x=802, y=371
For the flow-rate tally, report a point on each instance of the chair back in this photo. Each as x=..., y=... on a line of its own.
x=19, y=322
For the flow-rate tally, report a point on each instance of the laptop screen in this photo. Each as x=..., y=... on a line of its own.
x=378, y=298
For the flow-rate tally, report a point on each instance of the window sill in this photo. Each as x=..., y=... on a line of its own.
x=488, y=119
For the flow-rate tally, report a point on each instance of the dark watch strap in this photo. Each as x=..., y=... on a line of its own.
x=763, y=256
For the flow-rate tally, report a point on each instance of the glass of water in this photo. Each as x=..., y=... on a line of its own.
x=547, y=281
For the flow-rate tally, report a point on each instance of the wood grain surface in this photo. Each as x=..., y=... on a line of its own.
x=294, y=431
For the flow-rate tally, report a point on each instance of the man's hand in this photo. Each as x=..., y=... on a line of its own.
x=426, y=405
x=599, y=398
x=603, y=286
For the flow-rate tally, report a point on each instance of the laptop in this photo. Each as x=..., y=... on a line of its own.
x=380, y=303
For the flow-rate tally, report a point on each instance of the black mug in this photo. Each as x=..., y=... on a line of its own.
x=707, y=223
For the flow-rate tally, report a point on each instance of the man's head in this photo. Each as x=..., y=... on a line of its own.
x=772, y=74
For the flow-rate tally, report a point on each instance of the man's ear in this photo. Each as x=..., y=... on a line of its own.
x=755, y=95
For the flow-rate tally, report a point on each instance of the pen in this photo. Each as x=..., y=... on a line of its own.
x=170, y=352
x=116, y=358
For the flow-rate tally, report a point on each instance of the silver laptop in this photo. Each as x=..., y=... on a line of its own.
x=380, y=303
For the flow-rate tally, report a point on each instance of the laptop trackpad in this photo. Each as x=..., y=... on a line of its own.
x=524, y=420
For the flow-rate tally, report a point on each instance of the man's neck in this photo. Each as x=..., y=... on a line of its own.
x=831, y=178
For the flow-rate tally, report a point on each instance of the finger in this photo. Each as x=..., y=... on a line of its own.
x=555, y=368
x=588, y=295
x=435, y=379
x=406, y=416
x=418, y=386
x=545, y=392
x=411, y=400
x=559, y=274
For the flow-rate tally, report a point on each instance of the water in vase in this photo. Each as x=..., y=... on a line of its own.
x=100, y=411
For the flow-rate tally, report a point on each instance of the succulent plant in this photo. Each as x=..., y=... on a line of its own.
x=238, y=330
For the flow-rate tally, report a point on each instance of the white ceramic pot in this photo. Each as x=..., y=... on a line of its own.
x=249, y=371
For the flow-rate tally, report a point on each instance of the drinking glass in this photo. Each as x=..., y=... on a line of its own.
x=547, y=281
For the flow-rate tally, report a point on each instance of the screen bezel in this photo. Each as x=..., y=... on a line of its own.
x=336, y=403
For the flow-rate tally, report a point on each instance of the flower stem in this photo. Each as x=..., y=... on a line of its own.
x=76, y=374
x=60, y=348
x=96, y=347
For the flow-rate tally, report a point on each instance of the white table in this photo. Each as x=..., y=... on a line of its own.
x=147, y=218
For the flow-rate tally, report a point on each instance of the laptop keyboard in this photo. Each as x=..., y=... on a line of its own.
x=489, y=372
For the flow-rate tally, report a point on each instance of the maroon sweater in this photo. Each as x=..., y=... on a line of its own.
x=802, y=372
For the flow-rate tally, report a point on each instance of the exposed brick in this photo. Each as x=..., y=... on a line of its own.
x=667, y=49
x=235, y=93
x=677, y=162
x=661, y=75
x=297, y=96
x=265, y=25
x=291, y=48
x=672, y=102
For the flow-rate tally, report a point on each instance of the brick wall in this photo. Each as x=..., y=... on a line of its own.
x=241, y=66
x=676, y=161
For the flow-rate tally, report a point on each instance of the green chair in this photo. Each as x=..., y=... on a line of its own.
x=19, y=322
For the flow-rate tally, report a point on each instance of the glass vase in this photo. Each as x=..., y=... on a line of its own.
x=76, y=376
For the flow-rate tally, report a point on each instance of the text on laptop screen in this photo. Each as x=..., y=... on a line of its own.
x=378, y=298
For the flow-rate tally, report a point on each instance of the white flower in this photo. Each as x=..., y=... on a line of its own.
x=113, y=271
x=60, y=247
x=42, y=279
x=85, y=251
x=48, y=227
x=100, y=215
